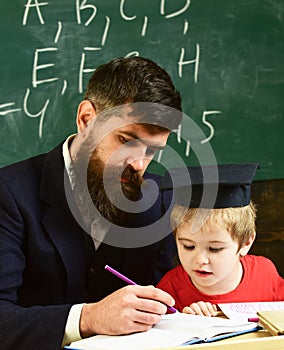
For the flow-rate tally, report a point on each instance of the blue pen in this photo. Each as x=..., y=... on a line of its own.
x=129, y=281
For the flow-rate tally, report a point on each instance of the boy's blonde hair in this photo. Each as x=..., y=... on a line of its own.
x=239, y=221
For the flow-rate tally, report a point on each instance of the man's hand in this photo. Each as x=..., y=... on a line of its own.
x=201, y=308
x=127, y=310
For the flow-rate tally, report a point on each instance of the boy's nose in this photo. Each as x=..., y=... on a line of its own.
x=201, y=259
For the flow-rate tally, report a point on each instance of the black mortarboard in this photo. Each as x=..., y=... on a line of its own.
x=211, y=186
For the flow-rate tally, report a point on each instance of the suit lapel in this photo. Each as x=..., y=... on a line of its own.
x=68, y=236
x=60, y=225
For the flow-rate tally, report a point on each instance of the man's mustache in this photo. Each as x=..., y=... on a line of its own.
x=133, y=177
x=127, y=176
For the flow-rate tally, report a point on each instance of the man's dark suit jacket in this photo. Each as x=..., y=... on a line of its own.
x=45, y=256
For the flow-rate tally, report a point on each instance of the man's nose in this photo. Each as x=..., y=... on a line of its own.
x=138, y=164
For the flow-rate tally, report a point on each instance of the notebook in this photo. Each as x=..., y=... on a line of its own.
x=173, y=330
x=245, y=311
x=272, y=320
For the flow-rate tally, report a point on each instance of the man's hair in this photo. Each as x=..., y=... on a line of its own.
x=131, y=80
x=238, y=221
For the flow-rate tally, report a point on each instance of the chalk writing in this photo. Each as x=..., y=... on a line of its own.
x=40, y=114
x=179, y=137
x=37, y=67
x=83, y=70
x=83, y=6
x=144, y=28
x=30, y=5
x=185, y=27
x=64, y=87
x=105, y=33
x=177, y=12
x=87, y=15
x=57, y=36
x=122, y=12
x=210, y=126
x=195, y=61
x=223, y=56
x=9, y=110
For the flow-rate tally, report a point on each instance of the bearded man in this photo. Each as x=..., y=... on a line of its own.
x=64, y=215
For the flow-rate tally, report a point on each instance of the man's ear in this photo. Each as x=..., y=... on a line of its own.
x=86, y=111
x=246, y=247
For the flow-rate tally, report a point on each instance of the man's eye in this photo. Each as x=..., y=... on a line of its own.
x=151, y=151
x=128, y=142
x=122, y=139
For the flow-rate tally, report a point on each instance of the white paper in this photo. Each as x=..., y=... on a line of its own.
x=172, y=330
x=244, y=311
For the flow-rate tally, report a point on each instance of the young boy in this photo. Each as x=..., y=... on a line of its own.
x=213, y=243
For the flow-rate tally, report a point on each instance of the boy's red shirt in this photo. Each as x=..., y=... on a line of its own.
x=260, y=282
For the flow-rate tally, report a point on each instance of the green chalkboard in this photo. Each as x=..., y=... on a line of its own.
x=226, y=57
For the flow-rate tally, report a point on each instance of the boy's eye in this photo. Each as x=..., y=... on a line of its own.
x=188, y=247
x=215, y=250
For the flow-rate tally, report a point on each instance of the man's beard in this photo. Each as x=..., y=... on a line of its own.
x=116, y=183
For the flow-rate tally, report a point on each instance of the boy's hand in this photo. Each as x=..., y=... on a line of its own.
x=201, y=308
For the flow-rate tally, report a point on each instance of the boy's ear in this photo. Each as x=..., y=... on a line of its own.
x=86, y=111
x=246, y=247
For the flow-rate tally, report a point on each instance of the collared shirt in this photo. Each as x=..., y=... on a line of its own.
x=67, y=158
x=98, y=232
x=72, y=328
x=99, y=229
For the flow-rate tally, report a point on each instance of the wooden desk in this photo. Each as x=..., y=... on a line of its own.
x=260, y=340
